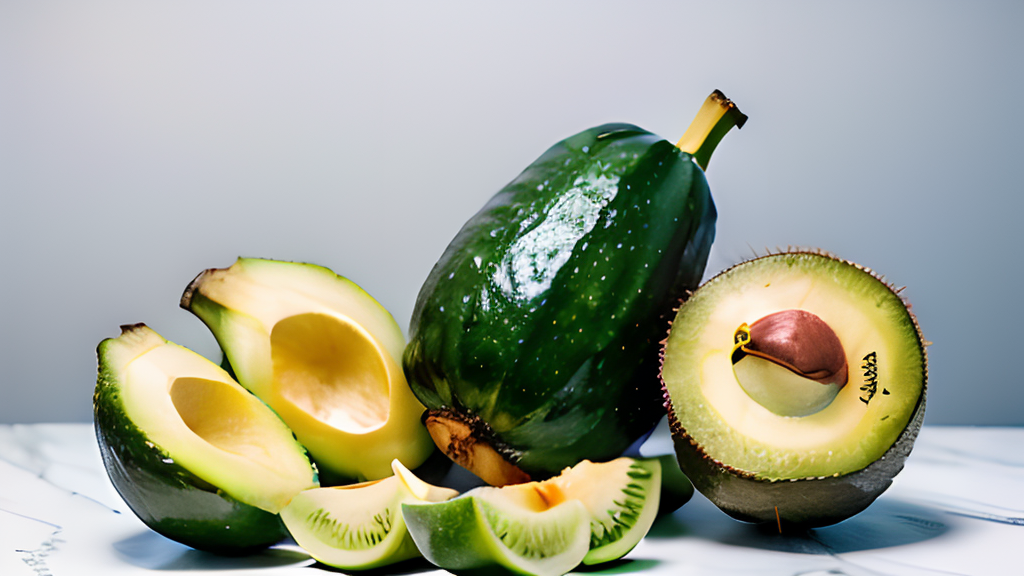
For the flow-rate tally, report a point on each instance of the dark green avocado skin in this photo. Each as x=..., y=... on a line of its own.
x=168, y=498
x=543, y=316
x=804, y=503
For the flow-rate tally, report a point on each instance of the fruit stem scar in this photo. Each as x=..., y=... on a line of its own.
x=469, y=444
x=715, y=118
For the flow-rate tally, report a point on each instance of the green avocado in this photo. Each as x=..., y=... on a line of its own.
x=324, y=355
x=534, y=340
x=197, y=457
x=796, y=387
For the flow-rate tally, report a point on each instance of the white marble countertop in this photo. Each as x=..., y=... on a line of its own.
x=957, y=508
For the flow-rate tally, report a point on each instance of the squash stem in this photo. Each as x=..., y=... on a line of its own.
x=716, y=117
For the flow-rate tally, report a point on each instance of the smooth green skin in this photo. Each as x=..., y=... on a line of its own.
x=544, y=314
x=165, y=496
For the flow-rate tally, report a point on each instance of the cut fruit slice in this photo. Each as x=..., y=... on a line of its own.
x=360, y=526
x=324, y=355
x=197, y=457
x=512, y=527
x=505, y=527
x=622, y=498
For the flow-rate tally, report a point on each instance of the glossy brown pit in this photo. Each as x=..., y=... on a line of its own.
x=790, y=362
x=800, y=342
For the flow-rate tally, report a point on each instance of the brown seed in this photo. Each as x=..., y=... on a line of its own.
x=801, y=342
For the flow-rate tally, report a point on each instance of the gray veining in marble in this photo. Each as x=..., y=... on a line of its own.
x=957, y=509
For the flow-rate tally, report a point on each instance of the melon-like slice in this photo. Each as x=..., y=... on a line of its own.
x=591, y=513
x=360, y=526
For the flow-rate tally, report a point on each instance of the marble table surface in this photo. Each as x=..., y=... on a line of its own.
x=957, y=508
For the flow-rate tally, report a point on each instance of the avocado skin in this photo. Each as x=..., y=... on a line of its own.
x=165, y=496
x=547, y=330
x=803, y=503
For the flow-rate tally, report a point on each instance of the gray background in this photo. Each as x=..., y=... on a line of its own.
x=141, y=142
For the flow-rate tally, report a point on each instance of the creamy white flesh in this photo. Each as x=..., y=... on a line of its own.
x=208, y=424
x=882, y=349
x=360, y=526
x=325, y=356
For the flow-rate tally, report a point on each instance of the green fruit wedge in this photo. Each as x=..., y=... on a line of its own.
x=622, y=498
x=197, y=457
x=532, y=528
x=360, y=526
x=324, y=355
x=513, y=528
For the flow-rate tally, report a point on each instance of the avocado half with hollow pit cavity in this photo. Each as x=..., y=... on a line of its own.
x=795, y=384
x=324, y=355
x=197, y=457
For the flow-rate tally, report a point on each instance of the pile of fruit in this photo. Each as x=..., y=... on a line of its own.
x=794, y=383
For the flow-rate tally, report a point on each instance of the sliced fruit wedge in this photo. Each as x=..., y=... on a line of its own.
x=622, y=498
x=534, y=528
x=512, y=527
x=360, y=526
x=197, y=457
x=324, y=355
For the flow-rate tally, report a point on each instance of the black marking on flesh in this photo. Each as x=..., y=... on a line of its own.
x=870, y=386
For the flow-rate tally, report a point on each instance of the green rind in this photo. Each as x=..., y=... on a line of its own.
x=166, y=497
x=456, y=535
x=561, y=372
x=638, y=504
x=801, y=503
x=396, y=545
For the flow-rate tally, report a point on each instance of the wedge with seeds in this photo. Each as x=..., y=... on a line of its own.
x=591, y=513
x=360, y=526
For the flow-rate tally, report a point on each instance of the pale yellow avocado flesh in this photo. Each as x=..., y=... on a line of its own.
x=324, y=355
x=360, y=526
x=210, y=425
x=883, y=350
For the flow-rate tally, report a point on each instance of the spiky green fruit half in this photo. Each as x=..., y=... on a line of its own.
x=789, y=317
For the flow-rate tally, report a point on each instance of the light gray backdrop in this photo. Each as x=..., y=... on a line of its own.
x=141, y=142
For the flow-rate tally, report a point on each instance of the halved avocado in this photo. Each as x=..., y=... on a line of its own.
x=796, y=387
x=360, y=526
x=517, y=527
x=197, y=457
x=324, y=355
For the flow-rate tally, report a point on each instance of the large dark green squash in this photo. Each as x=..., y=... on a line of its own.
x=537, y=332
